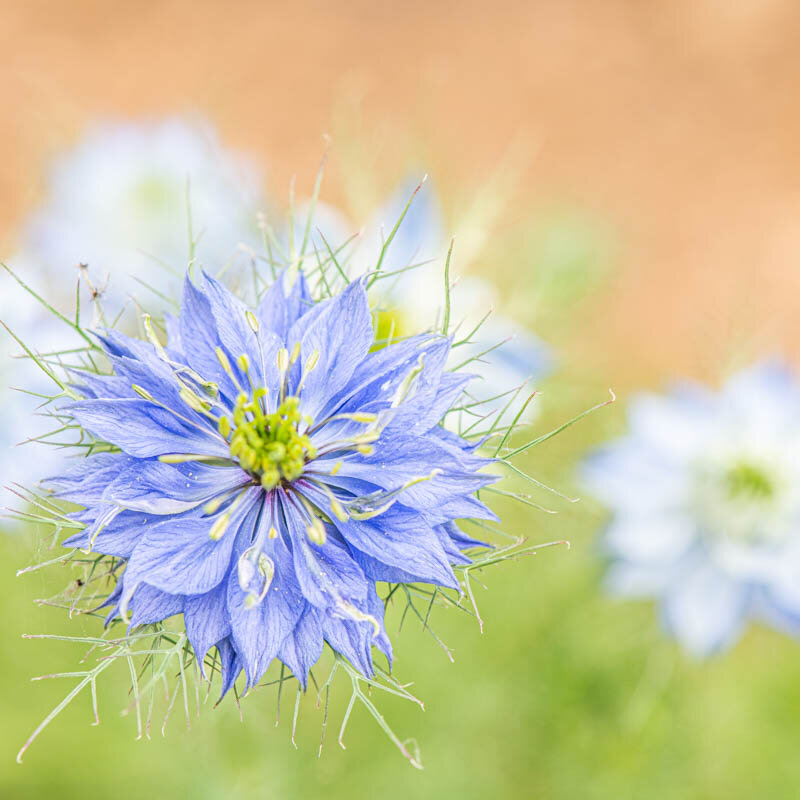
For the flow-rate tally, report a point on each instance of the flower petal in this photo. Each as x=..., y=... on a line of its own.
x=207, y=620
x=179, y=556
x=705, y=609
x=339, y=337
x=141, y=428
x=302, y=648
x=157, y=488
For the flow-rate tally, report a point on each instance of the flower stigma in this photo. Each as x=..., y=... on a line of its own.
x=268, y=446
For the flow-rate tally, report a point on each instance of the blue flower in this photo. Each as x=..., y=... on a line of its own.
x=411, y=298
x=705, y=494
x=266, y=468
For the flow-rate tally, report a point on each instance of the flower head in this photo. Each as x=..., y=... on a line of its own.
x=266, y=467
x=705, y=494
x=120, y=201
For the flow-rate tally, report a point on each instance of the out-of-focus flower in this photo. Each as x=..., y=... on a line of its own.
x=409, y=298
x=21, y=460
x=705, y=494
x=266, y=467
x=118, y=201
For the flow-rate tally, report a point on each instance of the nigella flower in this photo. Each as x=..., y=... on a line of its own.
x=705, y=494
x=411, y=298
x=266, y=467
x=120, y=200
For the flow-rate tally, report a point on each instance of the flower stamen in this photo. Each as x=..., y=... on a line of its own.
x=268, y=446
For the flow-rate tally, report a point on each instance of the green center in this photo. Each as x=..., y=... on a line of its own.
x=268, y=446
x=749, y=482
x=153, y=193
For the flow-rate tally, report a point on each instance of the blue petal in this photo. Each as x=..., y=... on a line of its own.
x=157, y=378
x=327, y=574
x=231, y=665
x=461, y=539
x=237, y=337
x=397, y=538
x=179, y=556
x=200, y=339
x=112, y=535
x=259, y=632
x=303, y=646
x=341, y=336
x=377, y=610
x=207, y=621
x=353, y=640
x=143, y=429
x=394, y=465
x=450, y=388
x=452, y=550
x=283, y=305
x=379, y=374
x=152, y=605
x=157, y=488
x=86, y=479
x=96, y=386
x=173, y=329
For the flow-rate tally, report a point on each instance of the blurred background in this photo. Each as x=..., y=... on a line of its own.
x=647, y=155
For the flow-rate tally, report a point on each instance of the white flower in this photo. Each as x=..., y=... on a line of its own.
x=705, y=494
x=415, y=298
x=118, y=202
x=22, y=461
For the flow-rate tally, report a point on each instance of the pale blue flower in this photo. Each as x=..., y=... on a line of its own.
x=21, y=459
x=117, y=201
x=413, y=297
x=705, y=495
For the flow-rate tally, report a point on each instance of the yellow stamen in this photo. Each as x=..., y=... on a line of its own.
x=224, y=426
x=316, y=531
x=219, y=527
x=143, y=393
x=283, y=359
x=223, y=360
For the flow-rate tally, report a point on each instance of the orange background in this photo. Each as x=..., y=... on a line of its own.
x=676, y=122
